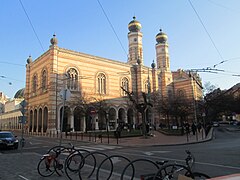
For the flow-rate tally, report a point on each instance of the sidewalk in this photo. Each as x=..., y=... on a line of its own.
x=161, y=139
x=158, y=139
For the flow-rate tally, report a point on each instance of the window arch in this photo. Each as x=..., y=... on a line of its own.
x=44, y=80
x=125, y=85
x=72, y=81
x=34, y=84
x=170, y=94
x=181, y=93
x=147, y=86
x=101, y=80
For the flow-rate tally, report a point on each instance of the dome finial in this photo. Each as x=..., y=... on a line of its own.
x=153, y=64
x=29, y=59
x=54, y=40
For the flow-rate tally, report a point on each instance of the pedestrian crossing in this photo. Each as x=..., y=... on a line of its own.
x=89, y=147
x=92, y=148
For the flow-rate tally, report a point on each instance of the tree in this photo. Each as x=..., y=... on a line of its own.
x=140, y=107
x=175, y=110
x=218, y=103
x=208, y=88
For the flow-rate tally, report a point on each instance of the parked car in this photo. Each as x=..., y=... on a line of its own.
x=236, y=123
x=215, y=124
x=8, y=140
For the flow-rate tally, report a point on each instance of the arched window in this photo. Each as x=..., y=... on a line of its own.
x=72, y=81
x=125, y=85
x=170, y=95
x=181, y=93
x=147, y=86
x=34, y=84
x=101, y=79
x=44, y=80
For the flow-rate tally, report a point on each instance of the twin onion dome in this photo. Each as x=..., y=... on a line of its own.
x=134, y=25
x=161, y=37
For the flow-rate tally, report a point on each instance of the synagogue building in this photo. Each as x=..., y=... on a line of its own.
x=86, y=92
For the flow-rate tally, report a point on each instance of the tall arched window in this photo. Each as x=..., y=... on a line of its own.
x=101, y=79
x=125, y=85
x=181, y=93
x=72, y=81
x=34, y=84
x=44, y=80
x=147, y=86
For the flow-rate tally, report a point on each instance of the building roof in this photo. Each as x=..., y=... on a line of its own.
x=19, y=93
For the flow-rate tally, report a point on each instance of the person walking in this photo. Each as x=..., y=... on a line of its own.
x=194, y=128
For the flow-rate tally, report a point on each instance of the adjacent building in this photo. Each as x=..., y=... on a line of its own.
x=10, y=111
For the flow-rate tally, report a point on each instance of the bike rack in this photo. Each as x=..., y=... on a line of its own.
x=97, y=165
x=110, y=159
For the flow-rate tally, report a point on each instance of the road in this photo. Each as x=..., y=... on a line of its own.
x=220, y=156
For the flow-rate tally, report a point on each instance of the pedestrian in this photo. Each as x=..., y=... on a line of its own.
x=194, y=128
x=187, y=127
x=199, y=127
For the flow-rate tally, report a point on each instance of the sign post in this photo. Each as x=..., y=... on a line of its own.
x=64, y=95
x=23, y=121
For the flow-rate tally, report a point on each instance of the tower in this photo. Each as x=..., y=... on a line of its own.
x=162, y=52
x=135, y=54
x=163, y=64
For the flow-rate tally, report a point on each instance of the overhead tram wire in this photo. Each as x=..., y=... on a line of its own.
x=31, y=25
x=112, y=27
x=215, y=71
x=4, y=62
x=199, y=18
x=224, y=7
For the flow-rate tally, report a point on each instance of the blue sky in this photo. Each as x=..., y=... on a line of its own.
x=81, y=25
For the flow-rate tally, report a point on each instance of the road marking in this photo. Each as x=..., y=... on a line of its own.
x=34, y=143
x=87, y=147
x=23, y=177
x=180, y=160
x=109, y=147
x=115, y=160
x=161, y=152
x=148, y=153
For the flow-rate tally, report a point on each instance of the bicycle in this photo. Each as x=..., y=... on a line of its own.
x=49, y=163
x=173, y=171
x=52, y=162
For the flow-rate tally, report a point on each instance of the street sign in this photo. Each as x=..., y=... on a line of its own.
x=65, y=94
x=23, y=104
x=22, y=119
x=23, y=110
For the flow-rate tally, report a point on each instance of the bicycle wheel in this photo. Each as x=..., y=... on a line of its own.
x=46, y=166
x=172, y=171
x=200, y=176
